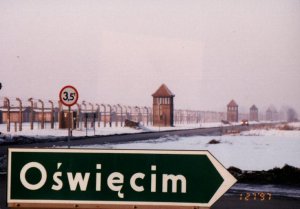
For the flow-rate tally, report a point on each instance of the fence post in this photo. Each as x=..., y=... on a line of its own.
x=43, y=114
x=92, y=121
x=85, y=121
x=78, y=115
x=31, y=113
x=7, y=103
x=52, y=114
x=104, y=114
x=110, y=119
x=121, y=114
x=116, y=116
x=147, y=115
x=20, y=114
x=98, y=114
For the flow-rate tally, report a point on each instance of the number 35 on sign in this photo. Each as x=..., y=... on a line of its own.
x=68, y=95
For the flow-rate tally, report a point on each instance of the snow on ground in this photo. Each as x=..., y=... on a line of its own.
x=271, y=132
x=251, y=150
x=38, y=132
x=48, y=132
x=295, y=124
x=261, y=151
x=56, y=132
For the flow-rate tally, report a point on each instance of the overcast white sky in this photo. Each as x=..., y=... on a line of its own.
x=206, y=52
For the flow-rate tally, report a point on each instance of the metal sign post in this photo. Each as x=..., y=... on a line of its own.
x=69, y=126
x=86, y=178
x=68, y=96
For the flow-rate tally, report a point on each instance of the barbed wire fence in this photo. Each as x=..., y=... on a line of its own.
x=51, y=114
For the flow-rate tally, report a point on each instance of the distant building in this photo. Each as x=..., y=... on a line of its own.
x=253, y=113
x=232, y=111
x=163, y=107
x=272, y=114
x=269, y=115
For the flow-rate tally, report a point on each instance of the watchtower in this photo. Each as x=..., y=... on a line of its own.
x=232, y=111
x=163, y=107
x=271, y=114
x=253, y=113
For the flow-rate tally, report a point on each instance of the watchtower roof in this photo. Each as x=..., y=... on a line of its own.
x=163, y=91
x=232, y=103
x=253, y=107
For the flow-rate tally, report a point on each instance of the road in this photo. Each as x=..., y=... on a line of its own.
x=227, y=201
x=121, y=138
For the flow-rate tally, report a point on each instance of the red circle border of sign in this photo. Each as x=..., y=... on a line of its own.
x=68, y=86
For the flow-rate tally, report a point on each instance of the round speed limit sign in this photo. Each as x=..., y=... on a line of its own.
x=68, y=96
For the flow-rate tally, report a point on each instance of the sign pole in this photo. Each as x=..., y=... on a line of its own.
x=68, y=96
x=69, y=127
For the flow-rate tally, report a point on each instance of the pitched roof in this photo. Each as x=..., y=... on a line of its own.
x=163, y=91
x=232, y=103
x=253, y=107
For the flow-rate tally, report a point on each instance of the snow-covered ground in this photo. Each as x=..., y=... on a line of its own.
x=251, y=150
x=48, y=132
x=295, y=124
x=101, y=130
x=37, y=131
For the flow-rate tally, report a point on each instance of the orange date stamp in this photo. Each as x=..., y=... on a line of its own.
x=255, y=196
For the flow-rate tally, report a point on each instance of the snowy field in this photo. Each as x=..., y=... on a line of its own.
x=38, y=132
x=101, y=130
x=251, y=150
x=48, y=132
